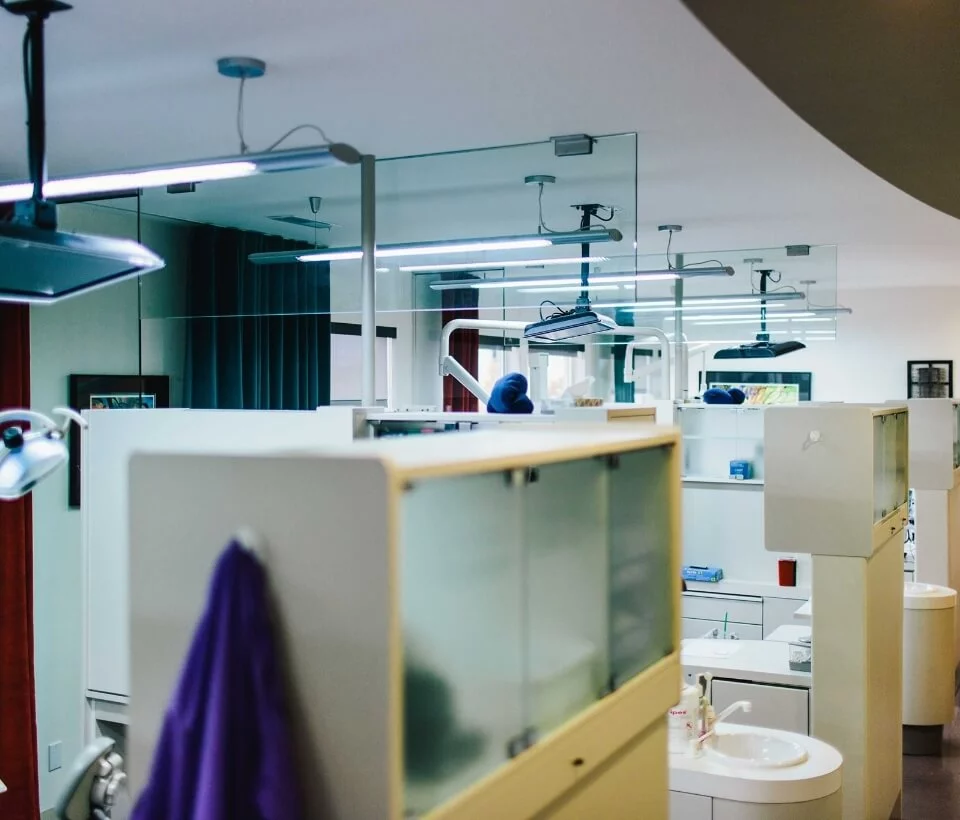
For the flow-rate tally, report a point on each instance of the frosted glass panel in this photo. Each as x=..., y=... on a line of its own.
x=715, y=436
x=565, y=530
x=902, y=455
x=642, y=581
x=461, y=604
x=879, y=475
x=956, y=436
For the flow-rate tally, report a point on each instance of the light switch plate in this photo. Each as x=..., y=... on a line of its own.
x=53, y=756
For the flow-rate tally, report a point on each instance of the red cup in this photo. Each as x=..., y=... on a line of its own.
x=787, y=570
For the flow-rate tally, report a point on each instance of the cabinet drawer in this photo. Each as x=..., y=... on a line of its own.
x=776, y=707
x=713, y=608
x=697, y=628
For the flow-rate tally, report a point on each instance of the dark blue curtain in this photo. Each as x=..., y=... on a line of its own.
x=623, y=392
x=258, y=337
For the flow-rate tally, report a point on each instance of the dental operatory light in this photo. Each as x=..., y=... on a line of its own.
x=27, y=457
x=763, y=348
x=38, y=263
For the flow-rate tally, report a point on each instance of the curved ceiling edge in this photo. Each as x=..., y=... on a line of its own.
x=879, y=80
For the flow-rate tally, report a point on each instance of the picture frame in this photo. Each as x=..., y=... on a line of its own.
x=802, y=379
x=95, y=392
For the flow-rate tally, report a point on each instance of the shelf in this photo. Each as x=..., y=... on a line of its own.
x=750, y=482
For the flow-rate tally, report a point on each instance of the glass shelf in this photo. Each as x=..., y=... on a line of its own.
x=714, y=436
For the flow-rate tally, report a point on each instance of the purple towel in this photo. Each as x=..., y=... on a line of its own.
x=225, y=750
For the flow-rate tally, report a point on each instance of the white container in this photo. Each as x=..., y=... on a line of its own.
x=682, y=720
x=928, y=624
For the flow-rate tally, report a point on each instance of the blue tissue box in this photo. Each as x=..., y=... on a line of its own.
x=741, y=470
x=692, y=573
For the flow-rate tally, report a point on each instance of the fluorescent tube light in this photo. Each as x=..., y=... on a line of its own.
x=568, y=289
x=179, y=173
x=444, y=246
x=390, y=252
x=734, y=305
x=512, y=263
x=756, y=321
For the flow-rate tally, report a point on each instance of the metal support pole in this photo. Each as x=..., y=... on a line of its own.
x=368, y=281
x=680, y=380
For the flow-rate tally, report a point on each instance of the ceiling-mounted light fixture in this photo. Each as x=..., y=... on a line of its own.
x=157, y=176
x=443, y=247
x=469, y=267
x=763, y=348
x=40, y=264
x=606, y=278
x=37, y=262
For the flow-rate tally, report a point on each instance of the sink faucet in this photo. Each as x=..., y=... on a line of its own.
x=745, y=705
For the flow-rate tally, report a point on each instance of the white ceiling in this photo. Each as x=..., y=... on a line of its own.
x=135, y=83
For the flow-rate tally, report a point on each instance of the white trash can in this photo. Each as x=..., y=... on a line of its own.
x=929, y=614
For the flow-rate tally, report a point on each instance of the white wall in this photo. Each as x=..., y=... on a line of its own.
x=868, y=360
x=94, y=333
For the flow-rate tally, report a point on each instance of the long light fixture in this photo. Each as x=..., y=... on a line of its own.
x=715, y=322
x=697, y=302
x=512, y=263
x=569, y=289
x=542, y=282
x=157, y=176
x=443, y=247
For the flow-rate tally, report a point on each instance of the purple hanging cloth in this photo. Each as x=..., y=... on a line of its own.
x=225, y=750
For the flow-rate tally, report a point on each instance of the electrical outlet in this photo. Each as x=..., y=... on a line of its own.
x=53, y=756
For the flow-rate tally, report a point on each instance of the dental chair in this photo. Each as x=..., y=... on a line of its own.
x=95, y=785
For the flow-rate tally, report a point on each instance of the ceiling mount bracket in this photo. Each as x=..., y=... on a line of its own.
x=241, y=68
x=798, y=250
x=669, y=228
x=539, y=179
x=572, y=145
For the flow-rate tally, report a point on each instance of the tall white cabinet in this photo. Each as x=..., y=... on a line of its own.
x=935, y=479
x=477, y=625
x=836, y=487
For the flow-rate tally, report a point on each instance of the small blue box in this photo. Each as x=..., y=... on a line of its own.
x=741, y=470
x=694, y=573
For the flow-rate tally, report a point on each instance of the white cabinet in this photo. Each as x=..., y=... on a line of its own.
x=835, y=478
x=690, y=806
x=741, y=609
x=776, y=707
x=778, y=612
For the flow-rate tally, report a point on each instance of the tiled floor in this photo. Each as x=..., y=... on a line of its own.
x=931, y=785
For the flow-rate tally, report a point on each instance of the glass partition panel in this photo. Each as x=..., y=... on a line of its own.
x=902, y=459
x=642, y=580
x=567, y=570
x=461, y=601
x=956, y=436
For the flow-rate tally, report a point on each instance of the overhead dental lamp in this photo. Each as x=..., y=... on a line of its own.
x=763, y=348
x=28, y=457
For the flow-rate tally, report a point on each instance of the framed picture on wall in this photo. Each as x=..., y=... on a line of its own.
x=97, y=392
x=930, y=379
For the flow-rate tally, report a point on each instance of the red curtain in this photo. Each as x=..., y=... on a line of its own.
x=18, y=716
x=464, y=346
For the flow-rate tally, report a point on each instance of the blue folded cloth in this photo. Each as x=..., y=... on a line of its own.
x=509, y=395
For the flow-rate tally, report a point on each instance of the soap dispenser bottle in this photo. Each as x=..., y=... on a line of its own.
x=683, y=720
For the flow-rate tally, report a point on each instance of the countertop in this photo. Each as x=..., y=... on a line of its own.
x=804, y=613
x=752, y=661
x=760, y=588
x=819, y=776
x=789, y=633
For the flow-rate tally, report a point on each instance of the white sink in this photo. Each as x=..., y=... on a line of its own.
x=754, y=750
